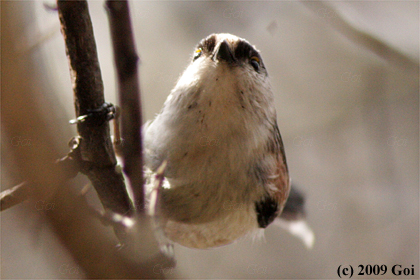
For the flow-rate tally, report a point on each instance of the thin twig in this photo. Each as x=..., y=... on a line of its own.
x=368, y=41
x=96, y=147
x=81, y=235
x=66, y=166
x=126, y=60
x=84, y=237
x=15, y=195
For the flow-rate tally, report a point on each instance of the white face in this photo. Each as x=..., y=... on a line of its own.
x=230, y=70
x=244, y=57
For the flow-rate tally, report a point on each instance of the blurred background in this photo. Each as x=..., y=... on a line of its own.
x=346, y=82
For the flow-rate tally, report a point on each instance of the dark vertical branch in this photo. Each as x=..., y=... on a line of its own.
x=95, y=147
x=126, y=60
x=81, y=235
x=142, y=238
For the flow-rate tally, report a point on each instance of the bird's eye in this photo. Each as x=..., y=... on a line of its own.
x=197, y=53
x=255, y=62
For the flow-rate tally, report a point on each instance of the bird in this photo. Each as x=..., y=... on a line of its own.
x=217, y=144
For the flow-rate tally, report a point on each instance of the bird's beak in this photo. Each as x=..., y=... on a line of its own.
x=224, y=53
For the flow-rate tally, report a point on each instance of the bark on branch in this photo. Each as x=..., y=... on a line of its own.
x=126, y=60
x=90, y=244
x=96, y=147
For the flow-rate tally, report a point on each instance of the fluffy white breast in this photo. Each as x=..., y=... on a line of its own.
x=212, y=128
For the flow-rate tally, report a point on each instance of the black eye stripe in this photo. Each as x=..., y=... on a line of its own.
x=242, y=50
x=208, y=44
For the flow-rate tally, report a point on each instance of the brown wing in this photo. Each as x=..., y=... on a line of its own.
x=282, y=181
x=277, y=181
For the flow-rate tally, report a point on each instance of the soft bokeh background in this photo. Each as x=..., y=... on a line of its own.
x=348, y=111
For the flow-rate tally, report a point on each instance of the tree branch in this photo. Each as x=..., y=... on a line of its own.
x=67, y=166
x=362, y=38
x=15, y=195
x=96, y=147
x=81, y=234
x=126, y=60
